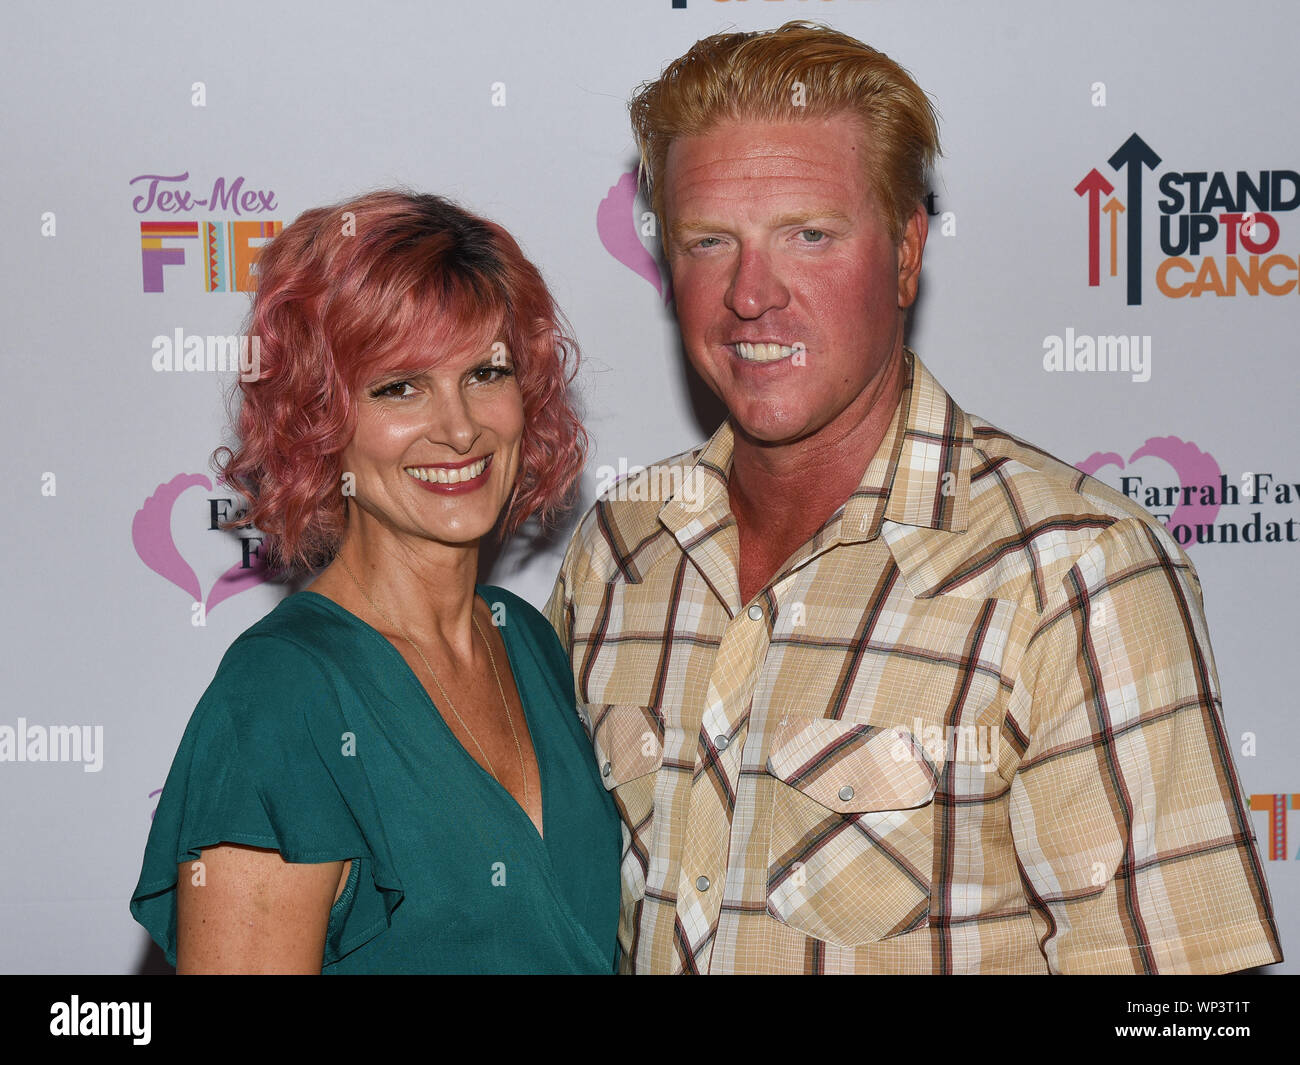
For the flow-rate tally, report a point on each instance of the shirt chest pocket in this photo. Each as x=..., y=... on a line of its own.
x=628, y=742
x=852, y=833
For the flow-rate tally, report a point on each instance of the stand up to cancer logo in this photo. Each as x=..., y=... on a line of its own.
x=1220, y=230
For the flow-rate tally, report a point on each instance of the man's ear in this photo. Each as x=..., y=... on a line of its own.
x=910, y=250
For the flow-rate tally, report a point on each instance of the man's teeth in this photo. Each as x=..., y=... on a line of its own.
x=441, y=475
x=763, y=352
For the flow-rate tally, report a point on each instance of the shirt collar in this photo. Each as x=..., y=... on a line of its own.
x=931, y=480
x=919, y=475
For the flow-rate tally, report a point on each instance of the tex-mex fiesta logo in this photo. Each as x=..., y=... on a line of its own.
x=1219, y=229
x=226, y=247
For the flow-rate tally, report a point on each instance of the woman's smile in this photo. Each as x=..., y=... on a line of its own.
x=453, y=480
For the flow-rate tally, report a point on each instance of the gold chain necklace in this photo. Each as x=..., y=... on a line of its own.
x=523, y=773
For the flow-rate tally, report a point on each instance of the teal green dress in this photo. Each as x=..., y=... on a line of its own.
x=316, y=739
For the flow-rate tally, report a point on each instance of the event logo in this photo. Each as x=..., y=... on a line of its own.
x=624, y=230
x=1189, y=503
x=227, y=247
x=1218, y=229
x=151, y=534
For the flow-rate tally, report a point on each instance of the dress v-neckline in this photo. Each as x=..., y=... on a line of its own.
x=523, y=702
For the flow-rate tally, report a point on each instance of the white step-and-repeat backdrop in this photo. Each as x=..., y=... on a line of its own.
x=1118, y=176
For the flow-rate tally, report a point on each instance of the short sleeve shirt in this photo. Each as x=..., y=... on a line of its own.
x=972, y=725
x=315, y=739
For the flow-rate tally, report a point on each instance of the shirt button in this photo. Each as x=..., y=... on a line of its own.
x=755, y=612
x=846, y=793
x=606, y=769
x=721, y=742
x=702, y=883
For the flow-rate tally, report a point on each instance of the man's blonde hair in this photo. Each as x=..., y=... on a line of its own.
x=802, y=70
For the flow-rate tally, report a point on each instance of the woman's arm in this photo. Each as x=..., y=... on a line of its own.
x=247, y=910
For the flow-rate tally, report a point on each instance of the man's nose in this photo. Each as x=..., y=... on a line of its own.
x=756, y=287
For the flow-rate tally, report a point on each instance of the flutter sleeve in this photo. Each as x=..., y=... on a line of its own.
x=268, y=760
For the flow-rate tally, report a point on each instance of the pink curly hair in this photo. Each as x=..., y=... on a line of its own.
x=344, y=294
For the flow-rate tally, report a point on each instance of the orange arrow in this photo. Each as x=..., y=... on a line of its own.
x=1113, y=208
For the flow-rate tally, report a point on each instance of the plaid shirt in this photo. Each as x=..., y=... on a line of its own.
x=972, y=725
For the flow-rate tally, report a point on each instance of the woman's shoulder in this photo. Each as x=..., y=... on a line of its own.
x=508, y=607
x=305, y=618
x=536, y=654
x=510, y=611
x=305, y=632
x=287, y=669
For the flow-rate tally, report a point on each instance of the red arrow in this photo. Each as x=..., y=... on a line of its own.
x=1113, y=208
x=1094, y=186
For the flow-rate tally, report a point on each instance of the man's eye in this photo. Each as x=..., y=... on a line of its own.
x=812, y=236
x=707, y=242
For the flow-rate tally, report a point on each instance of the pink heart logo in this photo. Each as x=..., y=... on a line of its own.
x=151, y=534
x=616, y=225
x=1192, y=466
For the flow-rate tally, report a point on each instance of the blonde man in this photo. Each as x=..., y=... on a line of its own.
x=876, y=686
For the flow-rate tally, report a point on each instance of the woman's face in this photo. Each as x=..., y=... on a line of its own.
x=435, y=455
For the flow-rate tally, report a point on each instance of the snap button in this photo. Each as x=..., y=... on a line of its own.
x=846, y=793
x=606, y=769
x=755, y=612
x=721, y=742
x=702, y=883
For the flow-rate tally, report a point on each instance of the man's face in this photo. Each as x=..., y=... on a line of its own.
x=790, y=291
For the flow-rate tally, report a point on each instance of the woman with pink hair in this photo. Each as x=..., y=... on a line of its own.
x=388, y=773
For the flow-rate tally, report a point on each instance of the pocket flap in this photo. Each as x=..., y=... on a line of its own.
x=628, y=741
x=850, y=767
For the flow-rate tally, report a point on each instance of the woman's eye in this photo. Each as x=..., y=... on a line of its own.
x=397, y=390
x=490, y=372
